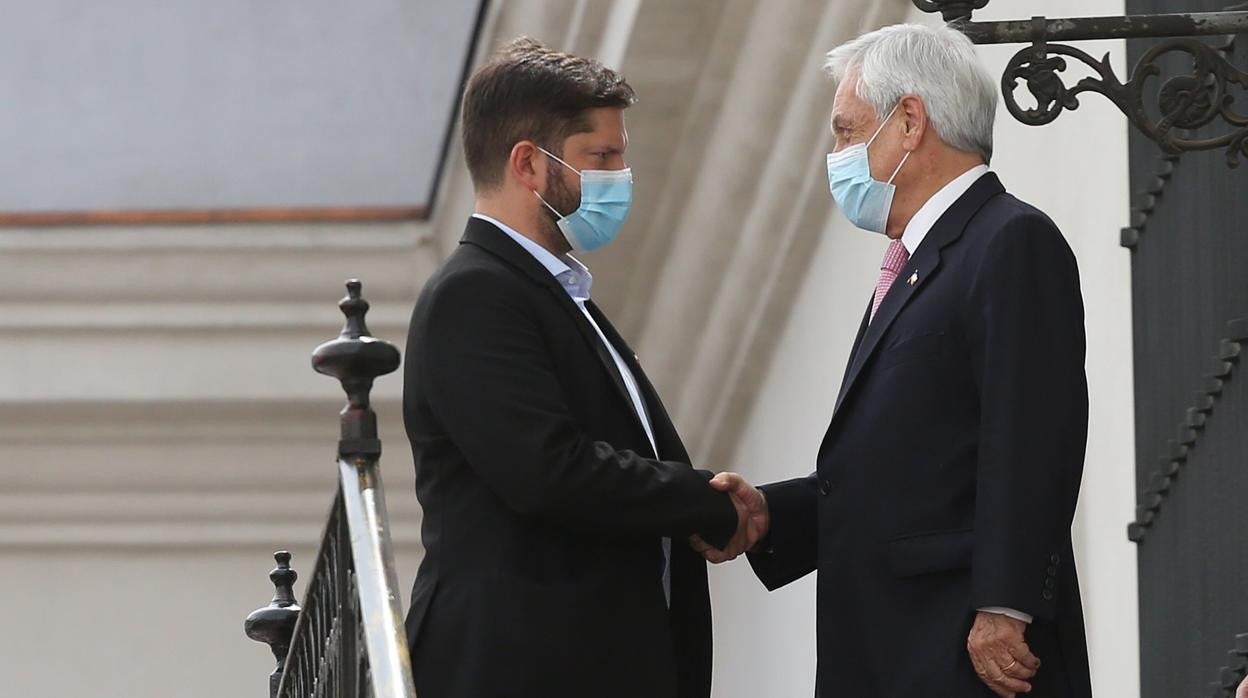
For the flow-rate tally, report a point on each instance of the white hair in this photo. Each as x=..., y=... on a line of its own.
x=936, y=64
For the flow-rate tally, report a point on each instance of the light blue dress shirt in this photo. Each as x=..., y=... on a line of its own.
x=574, y=277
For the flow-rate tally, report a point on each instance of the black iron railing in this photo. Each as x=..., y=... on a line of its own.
x=347, y=640
x=328, y=656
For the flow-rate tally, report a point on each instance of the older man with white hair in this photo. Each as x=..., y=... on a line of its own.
x=939, y=514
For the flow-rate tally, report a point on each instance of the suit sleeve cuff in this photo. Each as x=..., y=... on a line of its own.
x=1002, y=611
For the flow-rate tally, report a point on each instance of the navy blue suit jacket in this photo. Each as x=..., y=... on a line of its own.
x=948, y=477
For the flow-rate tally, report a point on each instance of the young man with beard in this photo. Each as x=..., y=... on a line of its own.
x=557, y=494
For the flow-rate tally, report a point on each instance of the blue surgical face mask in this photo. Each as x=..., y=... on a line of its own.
x=606, y=196
x=864, y=200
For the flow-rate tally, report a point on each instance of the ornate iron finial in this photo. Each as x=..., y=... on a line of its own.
x=355, y=358
x=274, y=624
x=951, y=10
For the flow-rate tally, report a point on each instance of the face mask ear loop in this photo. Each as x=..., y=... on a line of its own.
x=552, y=208
x=556, y=157
x=561, y=162
x=903, y=161
x=877, y=131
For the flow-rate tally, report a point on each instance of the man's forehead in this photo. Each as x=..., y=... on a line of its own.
x=608, y=123
x=611, y=140
x=844, y=114
x=848, y=107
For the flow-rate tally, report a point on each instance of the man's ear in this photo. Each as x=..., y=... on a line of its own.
x=914, y=115
x=526, y=165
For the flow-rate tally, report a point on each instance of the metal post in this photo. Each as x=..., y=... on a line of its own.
x=355, y=359
x=274, y=624
x=1089, y=28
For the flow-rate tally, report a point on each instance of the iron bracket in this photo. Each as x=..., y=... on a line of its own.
x=1184, y=103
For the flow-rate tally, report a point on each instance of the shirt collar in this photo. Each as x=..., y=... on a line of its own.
x=930, y=212
x=572, y=275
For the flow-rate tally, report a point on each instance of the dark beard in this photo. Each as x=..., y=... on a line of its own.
x=560, y=197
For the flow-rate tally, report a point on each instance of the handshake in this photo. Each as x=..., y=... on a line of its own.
x=753, y=519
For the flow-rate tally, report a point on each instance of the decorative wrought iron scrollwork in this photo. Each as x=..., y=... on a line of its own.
x=1185, y=102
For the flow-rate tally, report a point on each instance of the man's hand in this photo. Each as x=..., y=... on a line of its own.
x=753, y=519
x=1000, y=655
x=1242, y=691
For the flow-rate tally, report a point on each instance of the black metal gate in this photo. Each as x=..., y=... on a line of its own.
x=1189, y=272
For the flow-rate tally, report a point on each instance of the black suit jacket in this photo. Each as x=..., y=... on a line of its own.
x=948, y=477
x=544, y=504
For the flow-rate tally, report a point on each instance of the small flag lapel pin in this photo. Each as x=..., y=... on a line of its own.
x=914, y=278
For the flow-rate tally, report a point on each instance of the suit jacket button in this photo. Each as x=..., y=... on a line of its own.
x=1052, y=571
x=825, y=487
x=1048, y=595
x=1050, y=583
x=1054, y=558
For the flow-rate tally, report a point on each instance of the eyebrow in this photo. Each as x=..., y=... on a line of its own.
x=839, y=123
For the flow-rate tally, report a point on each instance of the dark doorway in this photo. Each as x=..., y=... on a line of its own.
x=1189, y=275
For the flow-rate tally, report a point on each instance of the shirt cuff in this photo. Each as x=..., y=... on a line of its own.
x=1001, y=611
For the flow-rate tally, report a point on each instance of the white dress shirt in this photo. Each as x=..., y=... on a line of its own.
x=930, y=212
x=574, y=277
x=916, y=231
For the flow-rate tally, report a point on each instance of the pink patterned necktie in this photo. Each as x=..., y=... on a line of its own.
x=895, y=258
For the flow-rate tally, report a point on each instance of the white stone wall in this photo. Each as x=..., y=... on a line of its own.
x=165, y=433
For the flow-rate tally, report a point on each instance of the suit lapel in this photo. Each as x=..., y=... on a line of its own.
x=487, y=236
x=666, y=440
x=862, y=331
x=608, y=361
x=922, y=265
x=595, y=342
